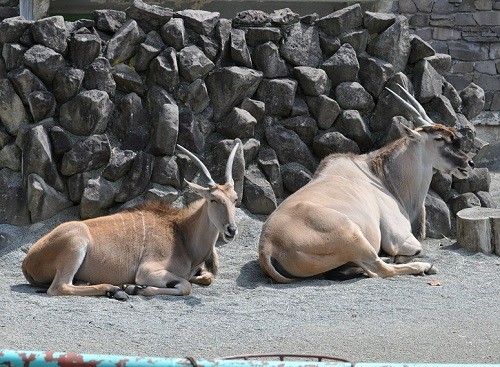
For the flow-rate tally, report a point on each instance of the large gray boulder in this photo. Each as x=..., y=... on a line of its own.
x=43, y=200
x=238, y=124
x=278, y=95
x=304, y=126
x=472, y=100
x=66, y=83
x=149, y=17
x=87, y=155
x=393, y=45
x=98, y=196
x=351, y=124
x=343, y=66
x=127, y=79
x=84, y=49
x=267, y=59
x=125, y=42
x=289, y=147
x=164, y=70
x=295, y=176
x=13, y=198
x=137, y=178
x=426, y=81
x=51, y=32
x=193, y=64
x=98, y=76
x=164, y=131
x=324, y=109
x=86, y=114
x=12, y=29
x=341, y=20
x=229, y=86
x=312, y=81
x=301, y=46
x=239, y=49
x=174, y=34
x=166, y=172
x=352, y=96
x=437, y=218
x=44, y=62
x=12, y=111
x=328, y=142
x=148, y=50
x=374, y=73
x=269, y=164
x=119, y=164
x=258, y=195
x=109, y=20
x=13, y=55
x=201, y=21
x=38, y=158
x=25, y=82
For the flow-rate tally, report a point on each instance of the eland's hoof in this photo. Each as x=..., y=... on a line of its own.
x=432, y=270
x=132, y=289
x=118, y=294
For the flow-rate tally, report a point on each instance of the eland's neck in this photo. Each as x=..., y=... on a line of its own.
x=406, y=170
x=200, y=234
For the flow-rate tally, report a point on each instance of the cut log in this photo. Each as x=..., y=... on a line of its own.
x=478, y=229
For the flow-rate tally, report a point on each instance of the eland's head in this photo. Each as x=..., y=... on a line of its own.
x=220, y=198
x=441, y=141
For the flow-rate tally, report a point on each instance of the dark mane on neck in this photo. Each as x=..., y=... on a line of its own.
x=376, y=163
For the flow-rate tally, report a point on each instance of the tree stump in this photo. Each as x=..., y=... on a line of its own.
x=478, y=229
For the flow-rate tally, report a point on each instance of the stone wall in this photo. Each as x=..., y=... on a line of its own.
x=469, y=31
x=91, y=111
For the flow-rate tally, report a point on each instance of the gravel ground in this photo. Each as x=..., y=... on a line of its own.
x=400, y=319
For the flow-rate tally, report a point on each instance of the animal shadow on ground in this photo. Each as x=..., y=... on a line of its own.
x=251, y=277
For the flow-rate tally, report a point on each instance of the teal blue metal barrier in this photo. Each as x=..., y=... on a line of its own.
x=11, y=358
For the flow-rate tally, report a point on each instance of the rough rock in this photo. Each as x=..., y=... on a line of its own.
x=66, y=83
x=374, y=73
x=200, y=21
x=437, y=220
x=258, y=195
x=25, y=83
x=137, y=178
x=42, y=105
x=84, y=49
x=44, y=62
x=86, y=114
x=459, y=202
x=300, y=46
x=164, y=131
x=376, y=22
x=393, y=45
x=289, y=147
x=239, y=49
x=148, y=50
x=324, y=109
x=174, y=34
x=341, y=20
x=109, y=20
x=238, y=124
x=427, y=82
x=149, y=17
x=229, y=86
x=295, y=176
x=98, y=196
x=352, y=96
x=164, y=70
x=343, y=66
x=127, y=79
x=166, y=172
x=98, y=76
x=89, y=154
x=312, y=81
x=352, y=126
x=479, y=179
x=51, y=32
x=12, y=112
x=13, y=54
x=269, y=164
x=419, y=49
x=43, y=200
x=278, y=95
x=13, y=198
x=193, y=64
x=125, y=42
x=472, y=100
x=266, y=58
x=328, y=142
x=304, y=126
x=38, y=158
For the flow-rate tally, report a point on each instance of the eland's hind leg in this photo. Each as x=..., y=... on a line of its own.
x=67, y=265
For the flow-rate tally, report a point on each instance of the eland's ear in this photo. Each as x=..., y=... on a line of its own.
x=412, y=134
x=200, y=190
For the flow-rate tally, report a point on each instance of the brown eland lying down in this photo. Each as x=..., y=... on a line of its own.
x=357, y=206
x=152, y=249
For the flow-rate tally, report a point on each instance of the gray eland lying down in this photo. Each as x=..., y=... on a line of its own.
x=149, y=250
x=359, y=205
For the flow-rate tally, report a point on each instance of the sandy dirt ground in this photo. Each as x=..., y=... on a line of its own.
x=400, y=319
